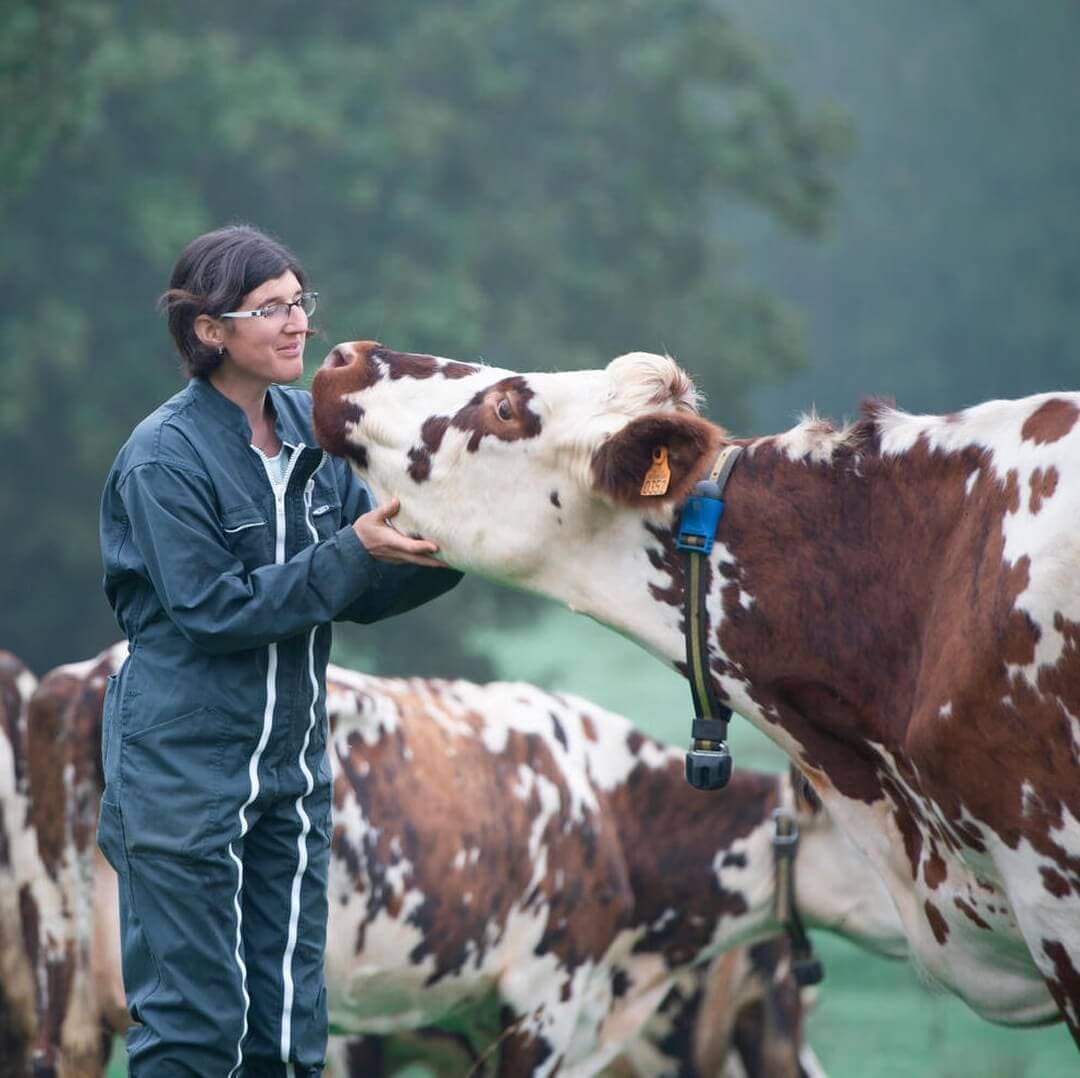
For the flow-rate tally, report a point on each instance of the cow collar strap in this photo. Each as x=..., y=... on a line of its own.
x=805, y=967
x=708, y=763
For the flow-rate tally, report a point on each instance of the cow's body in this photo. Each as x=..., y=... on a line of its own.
x=500, y=843
x=896, y=604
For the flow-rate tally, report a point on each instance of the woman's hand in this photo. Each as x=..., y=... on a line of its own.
x=383, y=541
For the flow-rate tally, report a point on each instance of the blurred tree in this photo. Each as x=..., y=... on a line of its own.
x=529, y=183
x=953, y=270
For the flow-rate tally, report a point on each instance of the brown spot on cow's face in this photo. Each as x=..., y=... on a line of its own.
x=410, y=365
x=431, y=436
x=347, y=369
x=1050, y=422
x=1043, y=485
x=500, y=411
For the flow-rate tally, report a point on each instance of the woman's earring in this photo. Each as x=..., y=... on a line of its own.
x=221, y=351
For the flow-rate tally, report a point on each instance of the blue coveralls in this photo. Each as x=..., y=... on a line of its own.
x=216, y=809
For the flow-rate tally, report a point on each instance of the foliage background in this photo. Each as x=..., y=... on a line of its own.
x=807, y=203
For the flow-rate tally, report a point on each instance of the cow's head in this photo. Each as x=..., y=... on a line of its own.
x=498, y=467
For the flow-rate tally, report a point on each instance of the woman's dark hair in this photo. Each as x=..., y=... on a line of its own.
x=213, y=274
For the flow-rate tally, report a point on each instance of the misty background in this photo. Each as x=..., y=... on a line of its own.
x=806, y=203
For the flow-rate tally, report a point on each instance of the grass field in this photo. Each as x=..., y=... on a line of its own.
x=873, y=1017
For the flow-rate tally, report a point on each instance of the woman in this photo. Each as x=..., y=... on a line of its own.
x=230, y=543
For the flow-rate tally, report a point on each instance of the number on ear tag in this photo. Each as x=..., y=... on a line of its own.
x=658, y=477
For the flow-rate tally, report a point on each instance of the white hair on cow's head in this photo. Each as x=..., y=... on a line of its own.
x=644, y=382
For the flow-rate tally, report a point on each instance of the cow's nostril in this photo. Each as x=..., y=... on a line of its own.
x=337, y=357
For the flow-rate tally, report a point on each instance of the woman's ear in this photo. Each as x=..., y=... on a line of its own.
x=686, y=445
x=210, y=331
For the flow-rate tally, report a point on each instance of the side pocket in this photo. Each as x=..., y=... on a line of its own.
x=172, y=775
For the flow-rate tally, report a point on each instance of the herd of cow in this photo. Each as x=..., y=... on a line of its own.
x=555, y=871
x=895, y=603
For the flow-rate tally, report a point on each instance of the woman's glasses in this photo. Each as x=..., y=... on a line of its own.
x=280, y=311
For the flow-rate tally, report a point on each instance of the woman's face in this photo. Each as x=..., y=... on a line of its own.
x=270, y=349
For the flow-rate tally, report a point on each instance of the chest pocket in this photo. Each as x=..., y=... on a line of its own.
x=323, y=503
x=249, y=534
x=325, y=516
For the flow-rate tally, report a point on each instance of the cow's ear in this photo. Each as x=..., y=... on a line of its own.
x=684, y=446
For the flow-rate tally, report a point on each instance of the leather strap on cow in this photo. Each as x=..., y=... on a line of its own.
x=805, y=967
x=708, y=763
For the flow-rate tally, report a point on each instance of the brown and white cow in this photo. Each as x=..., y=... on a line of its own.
x=501, y=843
x=895, y=603
x=18, y=875
x=535, y=849
x=58, y=761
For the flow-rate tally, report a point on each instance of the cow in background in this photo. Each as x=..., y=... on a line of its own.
x=896, y=604
x=537, y=849
x=497, y=842
x=740, y=1016
x=58, y=764
x=18, y=861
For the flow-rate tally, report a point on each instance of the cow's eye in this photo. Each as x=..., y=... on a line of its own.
x=504, y=410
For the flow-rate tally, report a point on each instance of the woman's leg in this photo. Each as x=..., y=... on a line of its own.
x=182, y=970
x=284, y=927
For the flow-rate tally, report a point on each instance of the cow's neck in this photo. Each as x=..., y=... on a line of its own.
x=798, y=542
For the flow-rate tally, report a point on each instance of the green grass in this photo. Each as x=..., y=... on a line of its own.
x=873, y=1018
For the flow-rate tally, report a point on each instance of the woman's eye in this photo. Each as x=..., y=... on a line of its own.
x=503, y=410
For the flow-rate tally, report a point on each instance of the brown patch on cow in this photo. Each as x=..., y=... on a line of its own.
x=620, y=463
x=1054, y=882
x=419, y=366
x=431, y=435
x=938, y=925
x=667, y=559
x=1043, y=484
x=47, y=746
x=1050, y=422
x=935, y=871
x=1012, y=491
x=1065, y=984
x=924, y=587
x=500, y=411
x=970, y=913
x=588, y=727
x=331, y=416
x=671, y=843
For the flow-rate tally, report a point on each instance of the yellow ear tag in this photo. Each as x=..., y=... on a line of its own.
x=658, y=476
